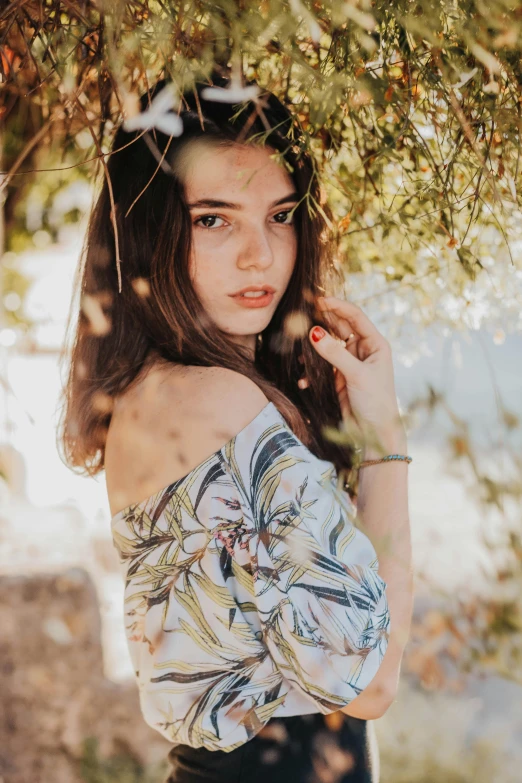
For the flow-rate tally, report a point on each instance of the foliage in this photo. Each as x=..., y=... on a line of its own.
x=120, y=768
x=412, y=109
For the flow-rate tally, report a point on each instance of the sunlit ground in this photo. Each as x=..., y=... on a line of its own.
x=60, y=519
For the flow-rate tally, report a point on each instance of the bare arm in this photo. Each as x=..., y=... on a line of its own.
x=382, y=507
x=364, y=379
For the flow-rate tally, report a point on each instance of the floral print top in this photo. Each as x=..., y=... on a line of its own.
x=249, y=591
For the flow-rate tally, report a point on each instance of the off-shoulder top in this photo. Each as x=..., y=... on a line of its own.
x=249, y=591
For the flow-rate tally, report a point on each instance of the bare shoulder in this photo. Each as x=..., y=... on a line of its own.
x=169, y=423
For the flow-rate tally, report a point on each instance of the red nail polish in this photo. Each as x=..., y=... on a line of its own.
x=317, y=334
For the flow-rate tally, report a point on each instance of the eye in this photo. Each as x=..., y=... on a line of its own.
x=208, y=217
x=286, y=213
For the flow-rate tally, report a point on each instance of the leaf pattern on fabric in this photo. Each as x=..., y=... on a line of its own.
x=249, y=592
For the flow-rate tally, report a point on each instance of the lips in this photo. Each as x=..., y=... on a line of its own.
x=250, y=299
x=267, y=289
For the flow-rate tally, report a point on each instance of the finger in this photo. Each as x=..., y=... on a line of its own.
x=346, y=408
x=357, y=319
x=334, y=352
x=339, y=380
x=340, y=327
x=336, y=324
x=351, y=344
x=360, y=346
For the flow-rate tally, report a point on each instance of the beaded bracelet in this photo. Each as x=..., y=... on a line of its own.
x=401, y=457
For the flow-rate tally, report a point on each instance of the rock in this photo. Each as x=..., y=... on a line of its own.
x=60, y=715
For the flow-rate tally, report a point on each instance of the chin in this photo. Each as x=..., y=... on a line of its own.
x=246, y=327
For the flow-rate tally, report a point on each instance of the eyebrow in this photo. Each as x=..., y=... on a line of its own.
x=216, y=204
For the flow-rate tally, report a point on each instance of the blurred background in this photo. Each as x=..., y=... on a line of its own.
x=414, y=117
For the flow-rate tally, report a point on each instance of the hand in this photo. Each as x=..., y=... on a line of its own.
x=363, y=368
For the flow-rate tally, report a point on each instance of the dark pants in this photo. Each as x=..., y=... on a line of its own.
x=298, y=749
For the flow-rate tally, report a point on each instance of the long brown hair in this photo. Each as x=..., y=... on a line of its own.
x=157, y=312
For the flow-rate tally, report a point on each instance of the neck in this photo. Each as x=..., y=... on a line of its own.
x=247, y=341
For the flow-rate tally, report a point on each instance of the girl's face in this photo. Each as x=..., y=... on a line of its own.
x=242, y=233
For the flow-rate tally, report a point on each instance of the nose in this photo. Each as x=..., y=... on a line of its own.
x=255, y=250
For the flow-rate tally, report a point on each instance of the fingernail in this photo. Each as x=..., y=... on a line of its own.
x=317, y=334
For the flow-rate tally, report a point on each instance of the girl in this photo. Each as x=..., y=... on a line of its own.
x=206, y=367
